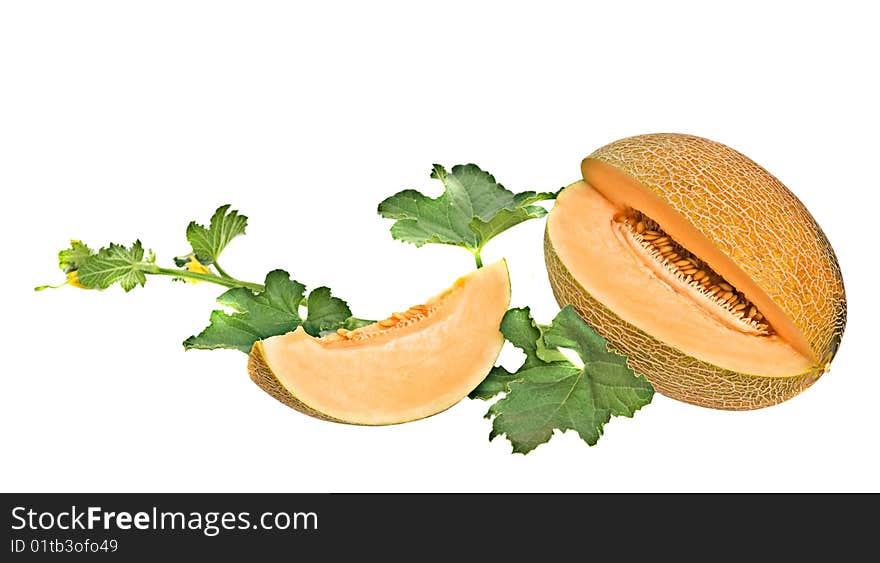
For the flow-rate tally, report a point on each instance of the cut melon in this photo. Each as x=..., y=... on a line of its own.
x=701, y=267
x=406, y=367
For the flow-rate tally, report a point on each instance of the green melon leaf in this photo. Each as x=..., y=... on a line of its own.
x=208, y=242
x=70, y=259
x=549, y=393
x=113, y=264
x=472, y=209
x=273, y=311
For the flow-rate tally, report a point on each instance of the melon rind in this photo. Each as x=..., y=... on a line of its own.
x=262, y=375
x=670, y=371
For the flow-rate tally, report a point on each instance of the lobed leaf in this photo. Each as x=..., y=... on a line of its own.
x=115, y=264
x=472, y=209
x=549, y=393
x=208, y=242
x=273, y=311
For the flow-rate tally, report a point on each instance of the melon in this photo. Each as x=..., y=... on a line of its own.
x=701, y=267
x=408, y=366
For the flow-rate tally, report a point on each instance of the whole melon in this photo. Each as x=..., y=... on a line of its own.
x=701, y=267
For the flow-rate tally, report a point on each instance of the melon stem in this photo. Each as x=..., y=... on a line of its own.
x=351, y=323
x=210, y=278
x=477, y=258
x=221, y=271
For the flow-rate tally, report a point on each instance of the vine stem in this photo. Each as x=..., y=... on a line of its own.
x=221, y=271
x=477, y=258
x=210, y=278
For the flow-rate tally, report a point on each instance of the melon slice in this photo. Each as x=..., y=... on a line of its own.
x=699, y=266
x=406, y=367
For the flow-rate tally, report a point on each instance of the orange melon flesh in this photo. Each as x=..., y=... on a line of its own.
x=624, y=191
x=586, y=239
x=406, y=372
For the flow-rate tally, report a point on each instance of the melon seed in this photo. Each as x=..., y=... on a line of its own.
x=690, y=269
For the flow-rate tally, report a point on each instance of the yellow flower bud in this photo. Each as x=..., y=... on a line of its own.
x=73, y=279
x=193, y=265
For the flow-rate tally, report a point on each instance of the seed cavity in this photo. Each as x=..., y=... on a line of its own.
x=691, y=271
x=396, y=321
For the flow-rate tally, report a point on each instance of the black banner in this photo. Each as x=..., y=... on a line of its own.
x=134, y=527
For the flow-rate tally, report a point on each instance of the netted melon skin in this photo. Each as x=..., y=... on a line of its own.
x=670, y=371
x=750, y=216
x=262, y=375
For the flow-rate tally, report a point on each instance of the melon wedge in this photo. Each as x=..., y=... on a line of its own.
x=701, y=267
x=406, y=367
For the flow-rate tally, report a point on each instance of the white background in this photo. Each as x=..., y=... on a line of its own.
x=121, y=120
